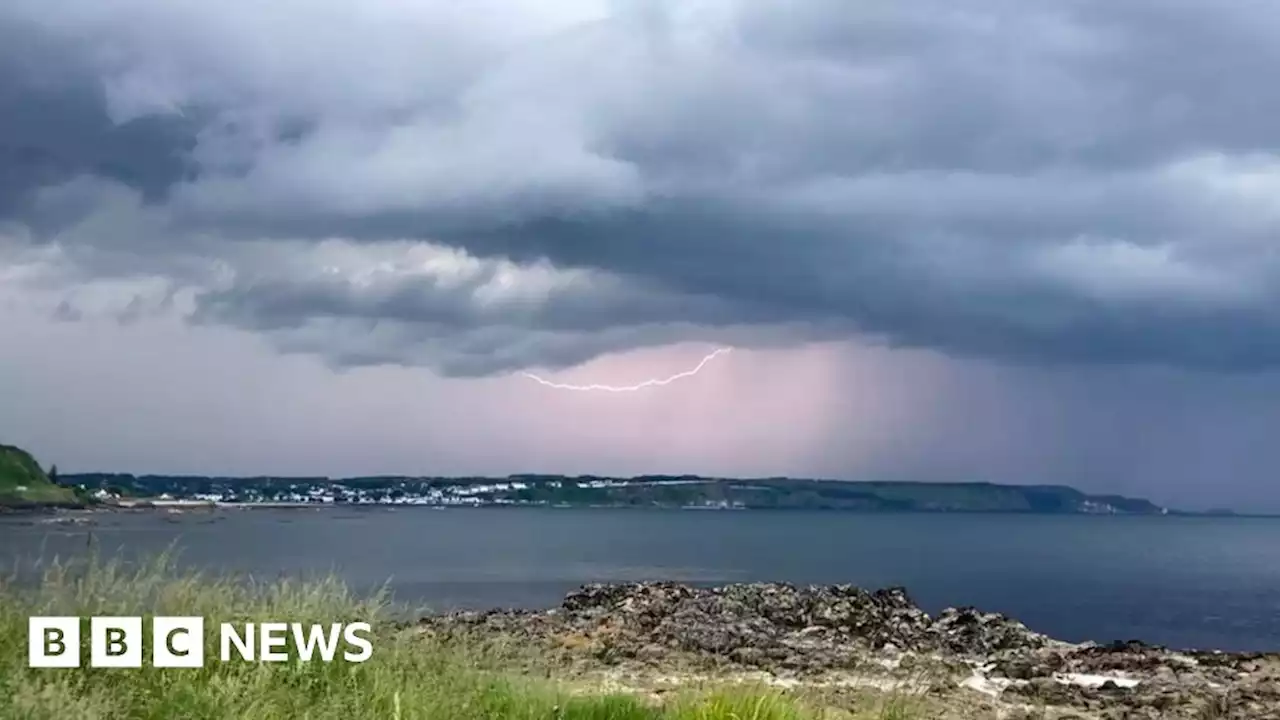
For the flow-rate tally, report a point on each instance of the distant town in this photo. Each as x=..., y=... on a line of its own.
x=26, y=485
x=362, y=491
x=688, y=491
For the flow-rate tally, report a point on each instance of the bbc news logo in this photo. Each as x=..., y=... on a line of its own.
x=179, y=642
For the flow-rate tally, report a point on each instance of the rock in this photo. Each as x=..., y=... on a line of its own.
x=1019, y=668
x=789, y=630
x=748, y=655
x=968, y=631
x=719, y=620
x=1048, y=691
x=651, y=653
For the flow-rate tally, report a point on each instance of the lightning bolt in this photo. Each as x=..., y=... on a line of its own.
x=656, y=382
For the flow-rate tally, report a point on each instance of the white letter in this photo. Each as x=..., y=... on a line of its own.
x=115, y=642
x=231, y=637
x=353, y=639
x=53, y=642
x=316, y=637
x=177, y=642
x=274, y=636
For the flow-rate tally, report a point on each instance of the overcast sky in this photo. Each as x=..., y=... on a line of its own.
x=1008, y=240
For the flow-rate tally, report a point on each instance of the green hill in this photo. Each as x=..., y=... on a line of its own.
x=24, y=484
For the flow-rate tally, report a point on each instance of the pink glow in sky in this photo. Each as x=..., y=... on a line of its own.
x=163, y=396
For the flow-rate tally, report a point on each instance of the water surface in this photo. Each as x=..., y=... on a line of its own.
x=1178, y=581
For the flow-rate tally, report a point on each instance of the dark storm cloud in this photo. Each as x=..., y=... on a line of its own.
x=410, y=302
x=55, y=126
x=1085, y=182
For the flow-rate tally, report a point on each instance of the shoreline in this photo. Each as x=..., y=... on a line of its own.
x=838, y=651
x=827, y=638
x=140, y=505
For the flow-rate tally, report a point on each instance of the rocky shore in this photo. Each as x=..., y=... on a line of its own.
x=848, y=643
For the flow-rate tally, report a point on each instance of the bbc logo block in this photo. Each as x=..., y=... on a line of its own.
x=178, y=642
x=115, y=642
x=53, y=642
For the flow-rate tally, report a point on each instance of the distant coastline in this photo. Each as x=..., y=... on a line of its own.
x=683, y=492
x=26, y=487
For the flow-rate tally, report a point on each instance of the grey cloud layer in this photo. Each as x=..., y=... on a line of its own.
x=1057, y=182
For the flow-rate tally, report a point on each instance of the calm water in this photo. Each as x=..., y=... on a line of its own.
x=1184, y=582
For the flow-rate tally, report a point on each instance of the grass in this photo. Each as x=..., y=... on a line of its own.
x=409, y=676
x=24, y=483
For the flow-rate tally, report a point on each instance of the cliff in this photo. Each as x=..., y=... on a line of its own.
x=24, y=484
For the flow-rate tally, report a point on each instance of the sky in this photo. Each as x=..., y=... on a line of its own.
x=1024, y=241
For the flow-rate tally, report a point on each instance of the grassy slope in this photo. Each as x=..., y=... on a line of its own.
x=407, y=678
x=22, y=481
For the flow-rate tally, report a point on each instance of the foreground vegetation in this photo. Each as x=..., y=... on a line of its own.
x=407, y=677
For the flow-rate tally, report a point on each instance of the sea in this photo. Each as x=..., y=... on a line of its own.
x=1182, y=582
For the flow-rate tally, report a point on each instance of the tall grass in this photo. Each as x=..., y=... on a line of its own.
x=409, y=677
